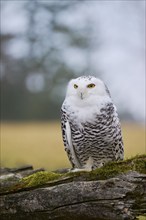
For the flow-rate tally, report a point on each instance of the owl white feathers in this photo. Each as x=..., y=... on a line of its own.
x=90, y=125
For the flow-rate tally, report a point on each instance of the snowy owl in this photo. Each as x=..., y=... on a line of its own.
x=90, y=125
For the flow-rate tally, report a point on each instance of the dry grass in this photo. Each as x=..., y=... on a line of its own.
x=41, y=144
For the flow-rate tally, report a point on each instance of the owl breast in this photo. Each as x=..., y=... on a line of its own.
x=82, y=112
x=95, y=135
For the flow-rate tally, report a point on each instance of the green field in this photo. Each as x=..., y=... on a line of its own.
x=40, y=144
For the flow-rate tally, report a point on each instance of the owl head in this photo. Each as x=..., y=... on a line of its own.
x=86, y=88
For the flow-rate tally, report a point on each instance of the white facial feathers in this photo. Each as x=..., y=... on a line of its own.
x=85, y=87
x=85, y=97
x=87, y=91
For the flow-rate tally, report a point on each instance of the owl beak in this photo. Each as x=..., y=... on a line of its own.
x=81, y=94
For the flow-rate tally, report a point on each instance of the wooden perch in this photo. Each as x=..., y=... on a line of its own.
x=116, y=191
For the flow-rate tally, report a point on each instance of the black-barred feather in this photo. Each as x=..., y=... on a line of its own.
x=102, y=140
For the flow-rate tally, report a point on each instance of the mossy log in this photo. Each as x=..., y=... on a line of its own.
x=116, y=191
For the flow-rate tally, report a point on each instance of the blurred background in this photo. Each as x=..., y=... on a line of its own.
x=46, y=43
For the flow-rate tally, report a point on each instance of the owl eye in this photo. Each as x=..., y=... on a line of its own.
x=92, y=85
x=75, y=86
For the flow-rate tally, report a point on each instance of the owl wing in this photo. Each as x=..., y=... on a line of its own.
x=118, y=146
x=67, y=139
x=113, y=136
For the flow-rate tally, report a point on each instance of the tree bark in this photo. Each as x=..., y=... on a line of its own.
x=72, y=198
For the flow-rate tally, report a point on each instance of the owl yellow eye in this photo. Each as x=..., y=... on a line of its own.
x=91, y=86
x=75, y=86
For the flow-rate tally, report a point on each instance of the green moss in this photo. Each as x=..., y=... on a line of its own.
x=111, y=169
x=141, y=217
x=31, y=181
x=39, y=178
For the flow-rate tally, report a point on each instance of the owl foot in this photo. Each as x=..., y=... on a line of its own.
x=80, y=170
